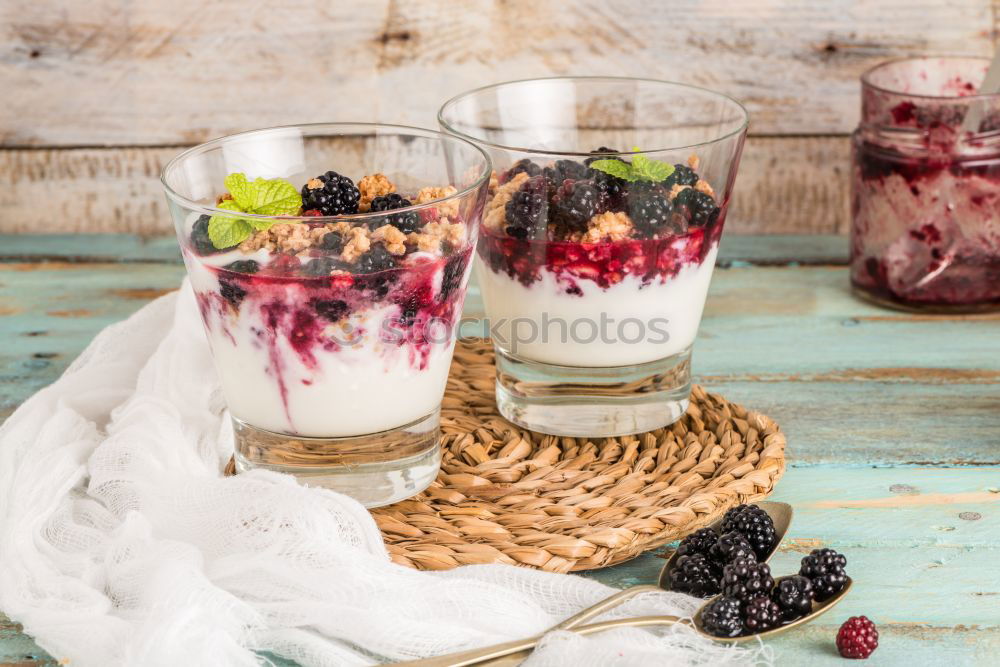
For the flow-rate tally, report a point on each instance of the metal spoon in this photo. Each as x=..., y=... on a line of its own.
x=514, y=652
x=781, y=515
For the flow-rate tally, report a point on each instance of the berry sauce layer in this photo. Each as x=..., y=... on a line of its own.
x=605, y=263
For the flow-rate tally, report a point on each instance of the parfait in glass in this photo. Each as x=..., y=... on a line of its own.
x=330, y=265
x=598, y=242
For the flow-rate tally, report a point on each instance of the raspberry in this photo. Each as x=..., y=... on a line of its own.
x=695, y=575
x=762, y=614
x=722, y=618
x=700, y=542
x=794, y=596
x=405, y=222
x=744, y=580
x=731, y=546
x=857, y=638
x=825, y=569
x=331, y=194
x=754, y=524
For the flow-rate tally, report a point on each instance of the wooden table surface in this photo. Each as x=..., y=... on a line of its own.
x=893, y=423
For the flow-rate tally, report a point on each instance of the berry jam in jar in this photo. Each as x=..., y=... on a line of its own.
x=925, y=198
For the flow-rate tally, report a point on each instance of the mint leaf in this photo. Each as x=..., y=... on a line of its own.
x=226, y=231
x=239, y=187
x=651, y=170
x=616, y=168
x=274, y=196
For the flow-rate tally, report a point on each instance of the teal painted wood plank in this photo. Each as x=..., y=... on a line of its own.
x=88, y=248
x=18, y=649
x=776, y=249
x=50, y=311
x=922, y=546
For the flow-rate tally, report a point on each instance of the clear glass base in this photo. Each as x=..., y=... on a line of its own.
x=376, y=469
x=593, y=402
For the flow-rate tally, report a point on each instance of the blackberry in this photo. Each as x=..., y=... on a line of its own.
x=524, y=166
x=700, y=542
x=232, y=292
x=597, y=153
x=451, y=276
x=698, y=207
x=731, y=546
x=722, y=618
x=575, y=204
x=376, y=259
x=857, y=638
x=200, y=241
x=825, y=569
x=243, y=266
x=564, y=170
x=682, y=175
x=754, y=524
x=331, y=194
x=794, y=596
x=762, y=614
x=527, y=209
x=332, y=241
x=650, y=212
x=323, y=266
x=332, y=310
x=407, y=222
x=744, y=580
x=695, y=575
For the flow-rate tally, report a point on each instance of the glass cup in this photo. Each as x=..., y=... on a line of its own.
x=925, y=231
x=332, y=323
x=598, y=242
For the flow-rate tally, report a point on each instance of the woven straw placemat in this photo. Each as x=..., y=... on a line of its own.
x=509, y=495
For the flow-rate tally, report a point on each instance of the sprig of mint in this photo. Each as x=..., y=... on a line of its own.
x=640, y=169
x=261, y=196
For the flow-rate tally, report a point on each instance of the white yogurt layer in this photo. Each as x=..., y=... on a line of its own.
x=668, y=315
x=367, y=387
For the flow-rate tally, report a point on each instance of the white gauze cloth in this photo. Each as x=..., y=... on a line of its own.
x=123, y=544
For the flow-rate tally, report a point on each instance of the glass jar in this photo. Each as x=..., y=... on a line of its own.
x=925, y=199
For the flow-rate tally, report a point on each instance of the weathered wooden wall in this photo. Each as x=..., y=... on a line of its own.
x=99, y=93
